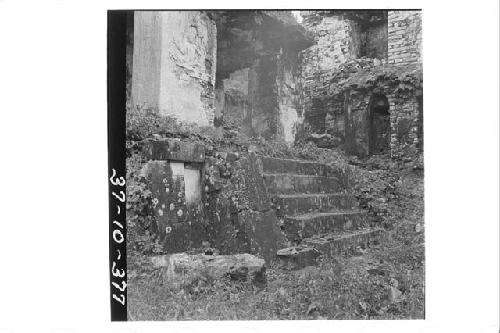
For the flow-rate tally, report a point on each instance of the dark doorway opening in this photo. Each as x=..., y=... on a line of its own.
x=379, y=125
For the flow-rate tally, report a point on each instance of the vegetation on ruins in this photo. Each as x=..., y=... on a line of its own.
x=383, y=282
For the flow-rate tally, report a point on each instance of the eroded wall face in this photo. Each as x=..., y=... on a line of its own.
x=349, y=46
x=174, y=64
x=290, y=100
x=333, y=45
x=357, y=122
x=404, y=37
x=393, y=131
x=234, y=103
x=129, y=57
x=173, y=174
x=146, y=59
x=406, y=125
x=260, y=73
x=200, y=196
x=263, y=102
x=337, y=41
x=375, y=41
x=264, y=99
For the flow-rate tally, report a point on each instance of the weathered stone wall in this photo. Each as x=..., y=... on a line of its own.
x=262, y=117
x=404, y=37
x=265, y=45
x=290, y=102
x=174, y=176
x=376, y=41
x=333, y=43
x=129, y=56
x=335, y=119
x=406, y=127
x=354, y=58
x=356, y=121
x=265, y=99
x=235, y=99
x=202, y=196
x=239, y=206
x=331, y=48
x=174, y=64
x=338, y=40
x=405, y=114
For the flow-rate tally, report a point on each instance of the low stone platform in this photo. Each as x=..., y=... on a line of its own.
x=182, y=269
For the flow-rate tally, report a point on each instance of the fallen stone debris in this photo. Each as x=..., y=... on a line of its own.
x=182, y=269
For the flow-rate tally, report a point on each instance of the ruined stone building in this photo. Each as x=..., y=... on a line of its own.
x=363, y=79
x=240, y=69
x=346, y=79
x=351, y=78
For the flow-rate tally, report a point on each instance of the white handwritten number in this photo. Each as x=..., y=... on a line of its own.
x=121, y=198
x=119, y=254
x=121, y=300
x=120, y=181
x=118, y=224
x=117, y=286
x=118, y=236
x=116, y=271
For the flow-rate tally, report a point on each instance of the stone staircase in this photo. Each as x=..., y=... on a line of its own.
x=316, y=211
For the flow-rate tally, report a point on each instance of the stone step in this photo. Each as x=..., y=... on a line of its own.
x=285, y=183
x=298, y=227
x=293, y=204
x=345, y=242
x=280, y=165
x=297, y=257
x=328, y=245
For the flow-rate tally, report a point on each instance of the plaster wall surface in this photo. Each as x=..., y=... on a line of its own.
x=376, y=42
x=289, y=89
x=174, y=64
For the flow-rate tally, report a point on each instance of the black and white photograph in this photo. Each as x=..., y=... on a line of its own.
x=275, y=165
x=250, y=167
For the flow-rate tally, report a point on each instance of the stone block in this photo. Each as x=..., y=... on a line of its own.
x=290, y=183
x=297, y=257
x=345, y=243
x=262, y=231
x=305, y=203
x=182, y=269
x=251, y=180
x=302, y=226
x=174, y=150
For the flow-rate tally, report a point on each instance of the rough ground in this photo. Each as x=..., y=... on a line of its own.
x=383, y=282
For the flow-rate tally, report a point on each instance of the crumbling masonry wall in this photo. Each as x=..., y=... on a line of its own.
x=206, y=197
x=405, y=112
x=258, y=51
x=341, y=37
x=404, y=37
x=356, y=56
x=333, y=45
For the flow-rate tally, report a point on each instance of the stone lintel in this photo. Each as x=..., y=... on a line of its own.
x=175, y=151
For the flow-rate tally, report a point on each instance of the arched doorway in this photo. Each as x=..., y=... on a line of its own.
x=379, y=125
